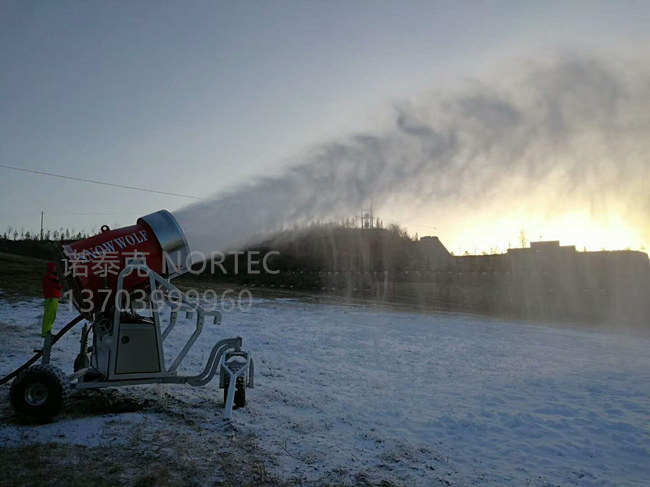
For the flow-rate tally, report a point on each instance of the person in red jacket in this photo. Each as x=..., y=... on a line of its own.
x=52, y=293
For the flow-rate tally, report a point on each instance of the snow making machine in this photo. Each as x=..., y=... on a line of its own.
x=126, y=310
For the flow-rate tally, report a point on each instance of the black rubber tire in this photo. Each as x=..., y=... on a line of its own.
x=40, y=392
x=240, y=392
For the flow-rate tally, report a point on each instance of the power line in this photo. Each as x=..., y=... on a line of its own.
x=57, y=213
x=94, y=214
x=99, y=182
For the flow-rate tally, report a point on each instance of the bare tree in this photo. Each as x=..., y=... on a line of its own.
x=523, y=239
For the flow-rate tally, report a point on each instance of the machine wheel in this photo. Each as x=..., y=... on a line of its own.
x=240, y=392
x=40, y=391
x=81, y=361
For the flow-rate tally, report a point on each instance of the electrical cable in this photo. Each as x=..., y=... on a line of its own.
x=135, y=188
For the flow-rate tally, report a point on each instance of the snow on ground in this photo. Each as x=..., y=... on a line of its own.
x=351, y=394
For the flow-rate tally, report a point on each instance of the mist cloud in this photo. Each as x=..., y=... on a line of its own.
x=571, y=131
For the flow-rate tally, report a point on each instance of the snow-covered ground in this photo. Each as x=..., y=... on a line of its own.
x=351, y=394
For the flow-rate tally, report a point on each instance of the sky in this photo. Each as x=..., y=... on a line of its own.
x=200, y=97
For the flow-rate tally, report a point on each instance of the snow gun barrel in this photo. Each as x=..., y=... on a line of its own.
x=91, y=266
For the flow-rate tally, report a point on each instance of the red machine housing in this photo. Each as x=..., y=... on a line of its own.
x=91, y=266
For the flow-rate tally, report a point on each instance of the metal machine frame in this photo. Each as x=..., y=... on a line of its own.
x=226, y=357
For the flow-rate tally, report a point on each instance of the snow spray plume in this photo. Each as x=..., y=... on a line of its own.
x=564, y=133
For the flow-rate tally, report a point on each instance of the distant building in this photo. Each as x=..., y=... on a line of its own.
x=432, y=254
x=552, y=247
x=551, y=281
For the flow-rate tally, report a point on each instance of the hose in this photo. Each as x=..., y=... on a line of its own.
x=38, y=354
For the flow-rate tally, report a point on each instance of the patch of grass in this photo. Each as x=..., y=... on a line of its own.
x=247, y=470
x=166, y=457
x=159, y=478
x=94, y=402
x=21, y=276
x=53, y=464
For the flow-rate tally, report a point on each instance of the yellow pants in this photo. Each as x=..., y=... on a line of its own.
x=49, y=315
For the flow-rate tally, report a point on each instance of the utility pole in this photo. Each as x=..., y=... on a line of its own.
x=42, y=225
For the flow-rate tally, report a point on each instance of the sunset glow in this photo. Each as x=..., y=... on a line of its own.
x=497, y=233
